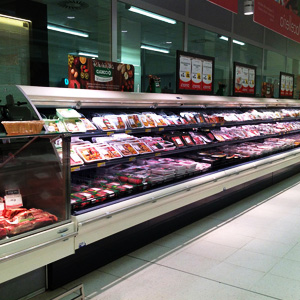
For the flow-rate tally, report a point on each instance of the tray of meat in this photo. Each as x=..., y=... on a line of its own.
x=177, y=141
x=141, y=148
x=118, y=120
x=88, y=124
x=54, y=125
x=89, y=153
x=134, y=121
x=74, y=125
x=104, y=123
x=67, y=113
x=109, y=152
x=126, y=149
x=187, y=140
x=148, y=120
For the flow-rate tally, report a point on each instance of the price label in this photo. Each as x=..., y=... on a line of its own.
x=147, y=130
x=109, y=132
x=157, y=154
x=213, y=125
x=128, y=131
x=102, y=164
x=14, y=200
x=73, y=169
x=132, y=158
x=161, y=129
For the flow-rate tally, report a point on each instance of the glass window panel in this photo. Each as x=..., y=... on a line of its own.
x=250, y=55
x=204, y=42
x=93, y=17
x=135, y=30
x=274, y=63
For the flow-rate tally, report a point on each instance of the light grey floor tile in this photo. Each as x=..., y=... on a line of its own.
x=153, y=253
x=252, y=260
x=287, y=268
x=48, y=295
x=199, y=228
x=174, y=241
x=190, y=263
x=278, y=287
x=227, y=238
x=274, y=249
x=94, y=282
x=294, y=253
x=124, y=266
x=280, y=236
x=234, y=275
x=249, y=230
x=210, y=250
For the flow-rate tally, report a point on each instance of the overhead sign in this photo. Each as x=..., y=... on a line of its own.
x=231, y=5
x=282, y=19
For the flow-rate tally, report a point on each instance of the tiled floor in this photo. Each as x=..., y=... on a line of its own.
x=250, y=250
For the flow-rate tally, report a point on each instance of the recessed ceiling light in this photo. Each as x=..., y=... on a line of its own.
x=67, y=30
x=124, y=31
x=168, y=42
x=151, y=48
x=70, y=17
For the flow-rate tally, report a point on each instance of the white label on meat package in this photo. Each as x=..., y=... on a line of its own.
x=14, y=200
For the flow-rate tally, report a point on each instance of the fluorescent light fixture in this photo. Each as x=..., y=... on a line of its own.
x=14, y=18
x=70, y=17
x=151, y=15
x=68, y=31
x=238, y=42
x=124, y=31
x=151, y=48
x=222, y=37
x=168, y=42
x=88, y=54
x=248, y=7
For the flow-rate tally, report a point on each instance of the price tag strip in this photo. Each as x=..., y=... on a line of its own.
x=13, y=199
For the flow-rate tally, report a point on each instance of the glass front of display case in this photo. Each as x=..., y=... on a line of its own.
x=33, y=185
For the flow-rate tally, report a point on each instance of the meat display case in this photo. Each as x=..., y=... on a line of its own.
x=38, y=229
x=96, y=220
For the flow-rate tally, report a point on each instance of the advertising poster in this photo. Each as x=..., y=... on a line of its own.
x=286, y=84
x=231, y=5
x=197, y=66
x=267, y=90
x=207, y=75
x=194, y=74
x=185, y=73
x=281, y=17
x=88, y=73
x=244, y=80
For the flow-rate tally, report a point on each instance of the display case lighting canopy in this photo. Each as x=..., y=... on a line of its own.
x=238, y=42
x=151, y=15
x=151, y=48
x=94, y=55
x=67, y=30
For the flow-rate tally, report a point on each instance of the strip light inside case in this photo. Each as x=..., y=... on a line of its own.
x=67, y=30
x=222, y=37
x=15, y=18
x=155, y=49
x=151, y=15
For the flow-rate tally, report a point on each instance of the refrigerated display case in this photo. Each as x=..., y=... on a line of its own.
x=136, y=157
x=35, y=223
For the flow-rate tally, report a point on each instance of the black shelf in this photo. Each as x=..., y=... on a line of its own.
x=123, y=160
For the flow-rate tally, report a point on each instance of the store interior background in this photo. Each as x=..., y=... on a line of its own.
x=33, y=55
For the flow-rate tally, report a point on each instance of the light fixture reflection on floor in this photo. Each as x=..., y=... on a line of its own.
x=156, y=49
x=248, y=7
x=67, y=30
x=151, y=15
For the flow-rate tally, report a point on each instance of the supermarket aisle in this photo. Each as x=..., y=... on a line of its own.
x=250, y=250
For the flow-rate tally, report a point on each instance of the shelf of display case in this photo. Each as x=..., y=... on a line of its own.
x=182, y=127
x=123, y=160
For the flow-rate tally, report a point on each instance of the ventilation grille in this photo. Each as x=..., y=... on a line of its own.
x=73, y=4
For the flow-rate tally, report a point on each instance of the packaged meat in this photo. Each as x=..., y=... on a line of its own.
x=75, y=160
x=187, y=140
x=148, y=120
x=54, y=126
x=118, y=120
x=89, y=153
x=109, y=152
x=104, y=123
x=74, y=125
x=126, y=149
x=177, y=141
x=88, y=124
x=67, y=113
x=134, y=121
x=141, y=148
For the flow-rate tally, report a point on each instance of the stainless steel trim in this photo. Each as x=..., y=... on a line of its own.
x=37, y=247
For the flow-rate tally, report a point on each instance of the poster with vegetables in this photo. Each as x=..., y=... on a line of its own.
x=88, y=73
x=286, y=85
x=244, y=79
x=194, y=74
